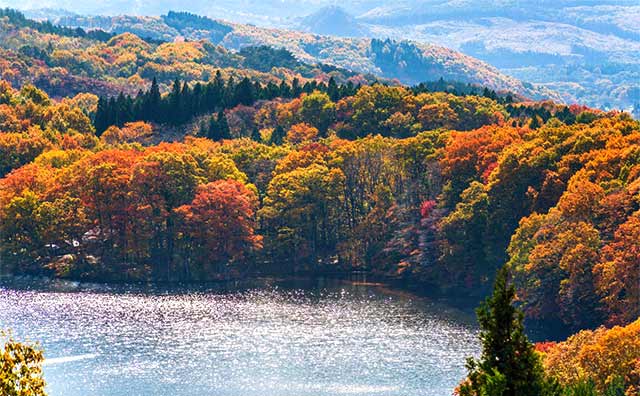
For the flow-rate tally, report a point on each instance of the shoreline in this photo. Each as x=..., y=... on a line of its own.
x=356, y=278
x=540, y=332
x=304, y=280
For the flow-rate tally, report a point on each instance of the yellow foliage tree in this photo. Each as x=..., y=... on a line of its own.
x=603, y=356
x=21, y=369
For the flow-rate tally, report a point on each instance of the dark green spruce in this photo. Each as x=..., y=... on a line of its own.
x=509, y=365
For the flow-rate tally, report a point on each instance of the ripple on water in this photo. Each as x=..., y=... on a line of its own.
x=341, y=339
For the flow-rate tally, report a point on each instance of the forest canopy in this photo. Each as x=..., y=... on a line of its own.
x=432, y=188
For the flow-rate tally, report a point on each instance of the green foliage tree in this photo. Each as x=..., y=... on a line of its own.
x=302, y=211
x=508, y=366
x=318, y=110
x=463, y=233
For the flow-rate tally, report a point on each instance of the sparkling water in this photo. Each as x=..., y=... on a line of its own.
x=272, y=339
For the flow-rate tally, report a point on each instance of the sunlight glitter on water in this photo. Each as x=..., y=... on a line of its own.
x=340, y=339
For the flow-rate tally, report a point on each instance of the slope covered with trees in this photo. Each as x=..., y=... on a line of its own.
x=389, y=59
x=64, y=61
x=432, y=188
x=584, y=50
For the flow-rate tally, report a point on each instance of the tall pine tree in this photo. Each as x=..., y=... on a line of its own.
x=151, y=103
x=101, y=119
x=244, y=92
x=277, y=136
x=509, y=366
x=333, y=90
x=175, y=104
x=223, y=125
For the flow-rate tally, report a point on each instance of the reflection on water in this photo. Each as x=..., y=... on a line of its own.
x=272, y=339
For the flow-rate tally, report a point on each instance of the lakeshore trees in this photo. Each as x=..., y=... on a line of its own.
x=356, y=182
x=180, y=161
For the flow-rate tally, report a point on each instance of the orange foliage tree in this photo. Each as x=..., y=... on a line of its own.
x=218, y=226
x=602, y=355
x=300, y=133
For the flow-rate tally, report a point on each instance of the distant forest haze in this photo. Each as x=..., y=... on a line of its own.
x=584, y=50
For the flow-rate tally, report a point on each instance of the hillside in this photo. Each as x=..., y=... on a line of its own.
x=585, y=50
x=406, y=61
x=409, y=62
x=65, y=61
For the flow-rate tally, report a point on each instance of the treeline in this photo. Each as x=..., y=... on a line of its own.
x=185, y=21
x=184, y=102
x=461, y=89
x=538, y=114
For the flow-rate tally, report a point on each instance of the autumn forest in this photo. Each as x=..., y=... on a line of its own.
x=129, y=159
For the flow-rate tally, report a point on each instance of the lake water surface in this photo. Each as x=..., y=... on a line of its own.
x=272, y=339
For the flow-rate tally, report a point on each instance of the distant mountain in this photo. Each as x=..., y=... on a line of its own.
x=587, y=50
x=49, y=13
x=603, y=16
x=274, y=13
x=335, y=21
x=406, y=61
x=65, y=61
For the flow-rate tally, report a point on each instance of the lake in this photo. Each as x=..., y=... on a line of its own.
x=269, y=338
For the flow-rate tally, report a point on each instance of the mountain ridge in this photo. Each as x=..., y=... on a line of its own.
x=355, y=54
x=585, y=50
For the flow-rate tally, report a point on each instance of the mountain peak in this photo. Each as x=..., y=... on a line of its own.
x=333, y=20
